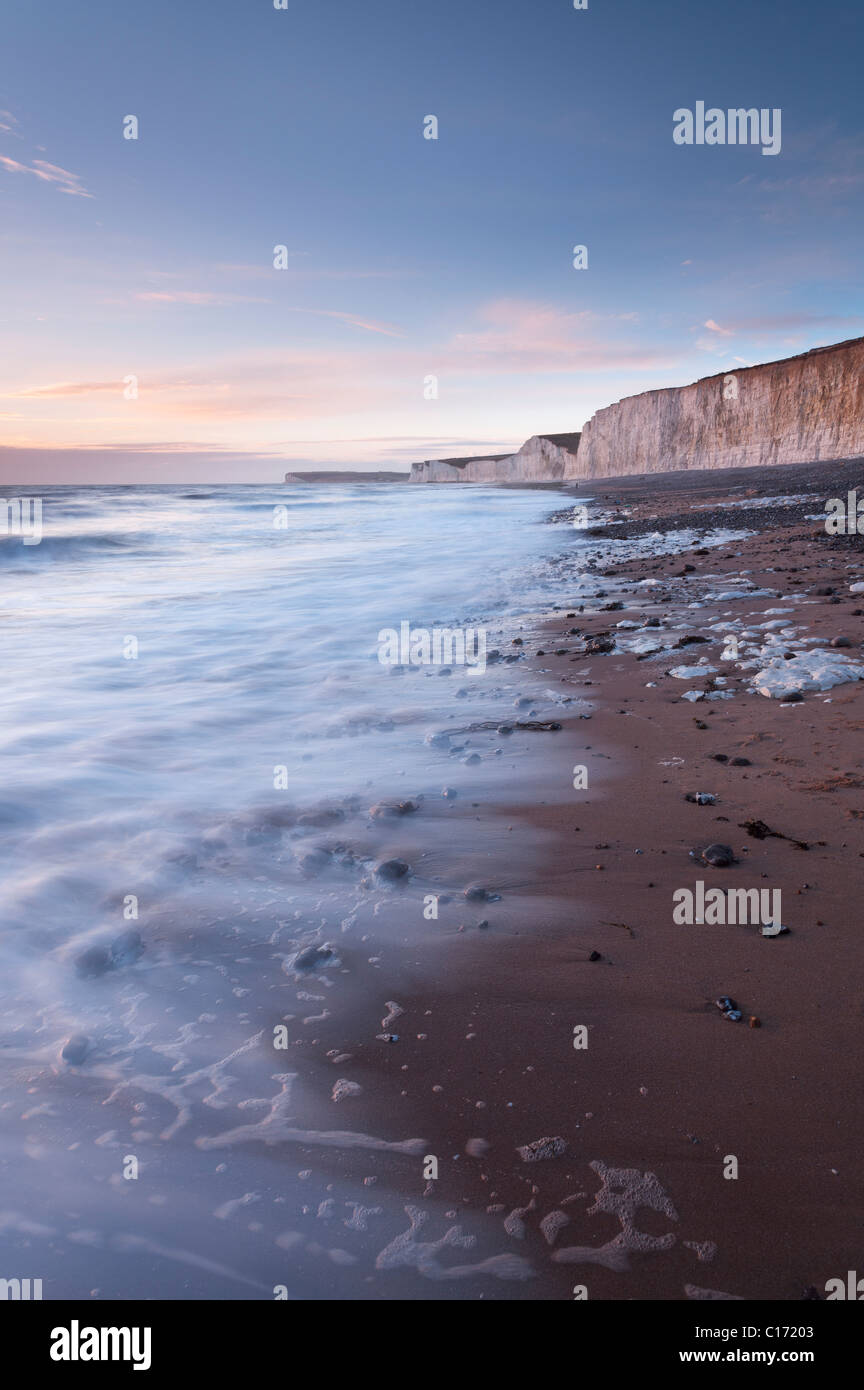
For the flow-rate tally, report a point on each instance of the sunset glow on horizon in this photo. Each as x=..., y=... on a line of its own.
x=150, y=260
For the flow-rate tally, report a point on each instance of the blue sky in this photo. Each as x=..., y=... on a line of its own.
x=408, y=257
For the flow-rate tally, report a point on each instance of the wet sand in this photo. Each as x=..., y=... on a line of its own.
x=666, y=1085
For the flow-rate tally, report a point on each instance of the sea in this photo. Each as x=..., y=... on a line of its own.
x=203, y=757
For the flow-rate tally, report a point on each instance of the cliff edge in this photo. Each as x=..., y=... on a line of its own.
x=543, y=458
x=798, y=410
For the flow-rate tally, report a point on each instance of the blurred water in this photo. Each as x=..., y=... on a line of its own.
x=138, y=795
x=256, y=648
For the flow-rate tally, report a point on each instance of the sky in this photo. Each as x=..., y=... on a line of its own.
x=146, y=334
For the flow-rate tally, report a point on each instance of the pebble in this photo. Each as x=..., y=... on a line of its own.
x=728, y=1008
x=95, y=961
x=392, y=869
x=312, y=956
x=475, y=893
x=720, y=856
x=75, y=1049
x=392, y=808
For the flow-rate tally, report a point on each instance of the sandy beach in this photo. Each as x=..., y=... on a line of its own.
x=492, y=991
x=417, y=1020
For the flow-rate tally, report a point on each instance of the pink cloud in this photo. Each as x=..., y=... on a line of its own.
x=525, y=337
x=261, y=399
x=209, y=298
x=67, y=389
x=48, y=173
x=369, y=324
x=200, y=297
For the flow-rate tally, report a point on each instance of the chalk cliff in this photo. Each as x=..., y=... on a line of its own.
x=546, y=457
x=798, y=410
x=542, y=458
x=478, y=469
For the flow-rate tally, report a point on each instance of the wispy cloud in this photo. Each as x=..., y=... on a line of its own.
x=523, y=336
x=9, y=124
x=767, y=327
x=48, y=173
x=353, y=319
x=266, y=270
x=70, y=390
x=214, y=298
x=199, y=297
x=254, y=396
x=67, y=389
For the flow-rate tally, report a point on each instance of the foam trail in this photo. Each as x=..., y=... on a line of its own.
x=275, y=1129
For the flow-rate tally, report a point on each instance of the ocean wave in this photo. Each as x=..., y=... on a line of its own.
x=67, y=548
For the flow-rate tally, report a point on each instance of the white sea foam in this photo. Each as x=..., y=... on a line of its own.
x=815, y=670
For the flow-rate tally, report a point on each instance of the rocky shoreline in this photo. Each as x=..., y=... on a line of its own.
x=615, y=1101
x=602, y=1123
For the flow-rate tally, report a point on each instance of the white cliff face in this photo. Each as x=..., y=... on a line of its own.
x=477, y=470
x=800, y=410
x=540, y=460
x=803, y=409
